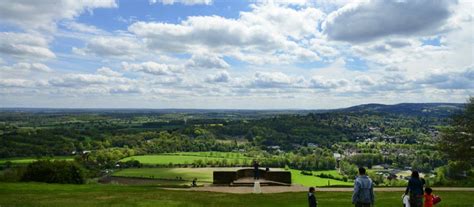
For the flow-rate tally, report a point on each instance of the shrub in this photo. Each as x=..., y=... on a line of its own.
x=58, y=171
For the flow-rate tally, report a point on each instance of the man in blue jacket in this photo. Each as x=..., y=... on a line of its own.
x=363, y=190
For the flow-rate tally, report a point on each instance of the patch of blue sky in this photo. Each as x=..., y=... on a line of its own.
x=356, y=63
x=9, y=28
x=140, y=10
x=235, y=62
x=435, y=41
x=62, y=44
x=73, y=63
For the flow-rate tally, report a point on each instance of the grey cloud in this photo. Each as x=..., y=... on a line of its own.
x=206, y=61
x=323, y=83
x=452, y=80
x=370, y=20
x=220, y=77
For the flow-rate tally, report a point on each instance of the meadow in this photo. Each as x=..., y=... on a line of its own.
x=40, y=194
x=205, y=175
x=27, y=160
x=186, y=158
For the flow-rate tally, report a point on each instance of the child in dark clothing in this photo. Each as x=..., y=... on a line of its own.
x=312, y=198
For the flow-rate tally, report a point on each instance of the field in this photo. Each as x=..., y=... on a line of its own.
x=202, y=174
x=26, y=160
x=311, y=180
x=186, y=157
x=36, y=194
x=205, y=175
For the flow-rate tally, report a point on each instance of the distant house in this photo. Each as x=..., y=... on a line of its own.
x=312, y=144
x=274, y=147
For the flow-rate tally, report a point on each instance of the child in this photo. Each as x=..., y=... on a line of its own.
x=428, y=197
x=312, y=198
x=406, y=200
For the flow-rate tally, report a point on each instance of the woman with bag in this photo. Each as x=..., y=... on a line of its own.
x=415, y=190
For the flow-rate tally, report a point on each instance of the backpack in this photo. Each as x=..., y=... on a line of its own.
x=436, y=200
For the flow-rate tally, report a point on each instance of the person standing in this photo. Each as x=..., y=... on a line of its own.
x=256, y=175
x=363, y=190
x=415, y=190
x=312, y=198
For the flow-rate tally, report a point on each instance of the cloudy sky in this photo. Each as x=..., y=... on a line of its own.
x=234, y=54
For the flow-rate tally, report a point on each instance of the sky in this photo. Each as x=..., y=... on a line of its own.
x=231, y=54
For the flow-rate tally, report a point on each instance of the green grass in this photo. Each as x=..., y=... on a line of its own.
x=27, y=160
x=205, y=175
x=202, y=174
x=164, y=159
x=36, y=194
x=311, y=180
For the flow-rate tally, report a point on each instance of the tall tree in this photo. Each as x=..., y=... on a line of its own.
x=457, y=140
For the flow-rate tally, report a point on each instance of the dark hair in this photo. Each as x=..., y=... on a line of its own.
x=311, y=189
x=428, y=191
x=415, y=174
x=362, y=171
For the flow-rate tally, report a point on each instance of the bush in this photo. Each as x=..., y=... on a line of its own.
x=58, y=171
x=12, y=174
x=306, y=172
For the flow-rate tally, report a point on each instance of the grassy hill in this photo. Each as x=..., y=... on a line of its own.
x=36, y=194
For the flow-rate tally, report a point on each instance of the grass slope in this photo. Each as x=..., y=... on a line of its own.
x=38, y=194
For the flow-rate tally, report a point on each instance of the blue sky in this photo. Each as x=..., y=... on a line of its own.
x=260, y=54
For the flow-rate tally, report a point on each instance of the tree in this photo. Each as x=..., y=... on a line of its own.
x=457, y=140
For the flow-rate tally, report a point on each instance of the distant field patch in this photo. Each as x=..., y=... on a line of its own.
x=27, y=160
x=312, y=180
x=186, y=158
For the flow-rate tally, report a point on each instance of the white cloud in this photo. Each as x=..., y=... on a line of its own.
x=80, y=27
x=27, y=67
x=111, y=47
x=272, y=80
x=266, y=34
x=369, y=20
x=21, y=83
x=32, y=14
x=185, y=2
x=108, y=72
x=320, y=82
x=152, y=68
x=24, y=45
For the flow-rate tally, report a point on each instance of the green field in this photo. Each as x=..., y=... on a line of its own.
x=202, y=174
x=26, y=160
x=311, y=180
x=205, y=175
x=180, y=158
x=36, y=194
